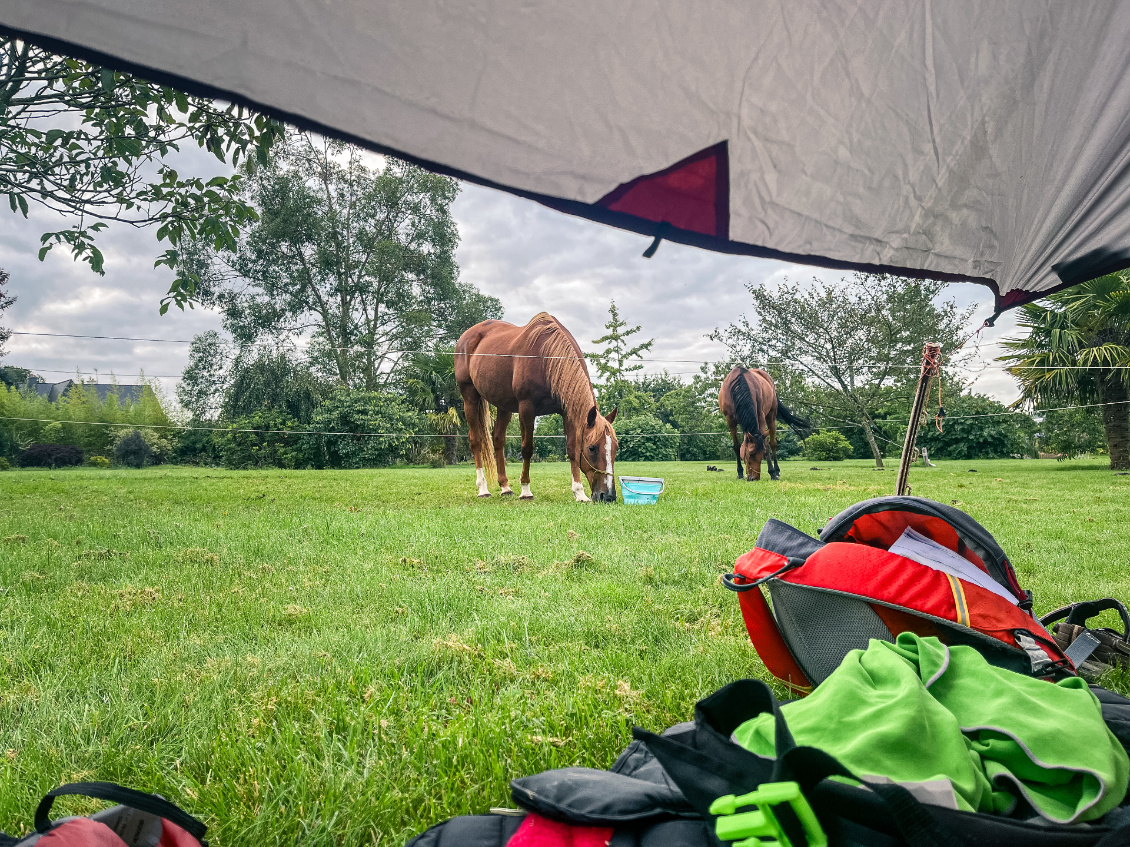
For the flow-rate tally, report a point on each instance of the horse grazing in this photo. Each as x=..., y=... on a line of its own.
x=749, y=397
x=536, y=369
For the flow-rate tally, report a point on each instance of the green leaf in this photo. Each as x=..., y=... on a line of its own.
x=53, y=135
x=43, y=251
x=107, y=79
x=182, y=104
x=23, y=203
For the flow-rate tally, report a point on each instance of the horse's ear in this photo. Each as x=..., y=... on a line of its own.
x=592, y=417
x=611, y=418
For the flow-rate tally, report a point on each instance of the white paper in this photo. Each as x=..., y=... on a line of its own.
x=925, y=551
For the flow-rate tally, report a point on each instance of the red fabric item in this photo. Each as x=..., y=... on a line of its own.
x=83, y=832
x=174, y=836
x=882, y=529
x=692, y=194
x=884, y=576
x=537, y=831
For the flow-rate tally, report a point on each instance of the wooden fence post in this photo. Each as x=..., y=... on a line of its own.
x=931, y=358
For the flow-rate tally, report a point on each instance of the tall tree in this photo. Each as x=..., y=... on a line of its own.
x=613, y=362
x=90, y=143
x=6, y=302
x=857, y=341
x=359, y=263
x=1077, y=351
x=200, y=391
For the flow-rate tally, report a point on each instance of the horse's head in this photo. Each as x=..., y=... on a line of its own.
x=598, y=453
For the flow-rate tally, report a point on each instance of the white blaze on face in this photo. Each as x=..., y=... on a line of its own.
x=608, y=464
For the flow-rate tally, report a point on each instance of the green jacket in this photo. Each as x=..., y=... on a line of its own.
x=919, y=711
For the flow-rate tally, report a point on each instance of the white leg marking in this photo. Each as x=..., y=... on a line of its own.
x=506, y=489
x=526, y=493
x=481, y=482
x=579, y=492
x=608, y=468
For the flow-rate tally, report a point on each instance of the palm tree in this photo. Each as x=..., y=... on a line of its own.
x=430, y=383
x=1078, y=351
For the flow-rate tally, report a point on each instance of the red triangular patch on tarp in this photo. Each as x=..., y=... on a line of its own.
x=692, y=194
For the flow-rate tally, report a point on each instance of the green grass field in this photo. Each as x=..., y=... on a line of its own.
x=344, y=658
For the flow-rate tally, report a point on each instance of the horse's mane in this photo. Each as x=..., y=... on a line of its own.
x=565, y=368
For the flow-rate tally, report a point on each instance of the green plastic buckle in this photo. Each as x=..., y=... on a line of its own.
x=760, y=827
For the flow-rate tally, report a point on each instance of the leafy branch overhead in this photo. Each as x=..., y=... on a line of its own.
x=90, y=143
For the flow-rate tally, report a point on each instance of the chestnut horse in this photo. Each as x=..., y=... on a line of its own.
x=536, y=369
x=749, y=397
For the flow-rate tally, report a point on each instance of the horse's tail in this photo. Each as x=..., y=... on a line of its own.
x=802, y=426
x=745, y=407
x=485, y=453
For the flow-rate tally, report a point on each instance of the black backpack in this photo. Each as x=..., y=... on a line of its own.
x=661, y=790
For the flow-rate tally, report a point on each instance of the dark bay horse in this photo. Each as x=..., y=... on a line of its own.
x=749, y=397
x=536, y=369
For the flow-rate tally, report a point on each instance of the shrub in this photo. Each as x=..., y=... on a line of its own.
x=978, y=427
x=196, y=446
x=133, y=451
x=160, y=444
x=260, y=441
x=5, y=465
x=359, y=413
x=50, y=456
x=641, y=441
x=827, y=446
x=98, y=462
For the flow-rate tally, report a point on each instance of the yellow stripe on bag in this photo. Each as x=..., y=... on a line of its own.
x=959, y=600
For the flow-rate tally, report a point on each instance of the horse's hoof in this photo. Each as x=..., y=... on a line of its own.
x=481, y=496
x=526, y=497
x=776, y=478
x=508, y=493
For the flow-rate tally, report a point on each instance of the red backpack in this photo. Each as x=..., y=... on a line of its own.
x=948, y=578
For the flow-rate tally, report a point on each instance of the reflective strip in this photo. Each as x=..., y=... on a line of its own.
x=959, y=600
x=1036, y=655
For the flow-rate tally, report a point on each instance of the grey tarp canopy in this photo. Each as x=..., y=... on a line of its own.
x=955, y=140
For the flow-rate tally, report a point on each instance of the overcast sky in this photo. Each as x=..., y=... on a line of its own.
x=528, y=256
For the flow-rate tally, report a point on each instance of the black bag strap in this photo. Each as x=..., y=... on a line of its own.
x=721, y=713
x=809, y=766
x=1080, y=613
x=114, y=793
x=730, y=580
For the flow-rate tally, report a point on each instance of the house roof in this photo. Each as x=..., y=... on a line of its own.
x=54, y=391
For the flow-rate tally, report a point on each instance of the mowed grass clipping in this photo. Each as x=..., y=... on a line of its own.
x=345, y=658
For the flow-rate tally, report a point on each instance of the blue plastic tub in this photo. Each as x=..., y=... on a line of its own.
x=641, y=490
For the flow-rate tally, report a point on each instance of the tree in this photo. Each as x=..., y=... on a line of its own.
x=857, y=342
x=359, y=263
x=429, y=381
x=612, y=363
x=1071, y=432
x=90, y=143
x=6, y=301
x=1077, y=351
x=204, y=380
x=272, y=382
